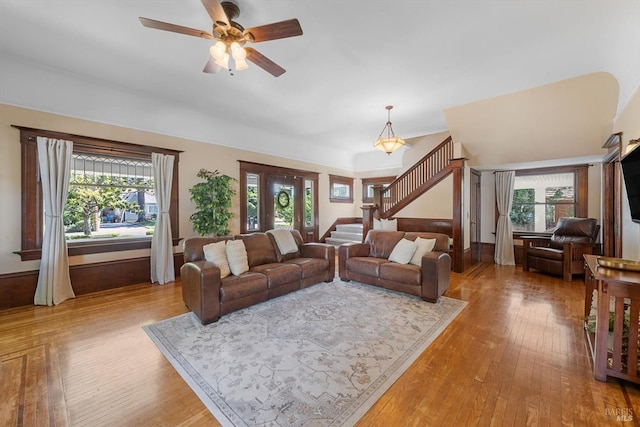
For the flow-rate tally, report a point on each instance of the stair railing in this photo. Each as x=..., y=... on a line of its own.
x=427, y=172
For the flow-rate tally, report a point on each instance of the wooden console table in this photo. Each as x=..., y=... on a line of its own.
x=614, y=348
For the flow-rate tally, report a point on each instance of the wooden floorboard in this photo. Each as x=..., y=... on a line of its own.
x=515, y=356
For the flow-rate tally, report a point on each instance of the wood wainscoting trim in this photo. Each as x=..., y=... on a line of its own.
x=18, y=289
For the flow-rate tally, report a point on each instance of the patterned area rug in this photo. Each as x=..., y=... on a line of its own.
x=320, y=356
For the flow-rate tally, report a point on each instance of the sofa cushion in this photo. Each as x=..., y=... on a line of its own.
x=423, y=246
x=403, y=251
x=260, y=250
x=405, y=273
x=548, y=253
x=574, y=230
x=216, y=253
x=237, y=257
x=366, y=266
x=382, y=242
x=279, y=274
x=310, y=266
x=235, y=287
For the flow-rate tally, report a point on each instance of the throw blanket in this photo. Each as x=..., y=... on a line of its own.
x=286, y=242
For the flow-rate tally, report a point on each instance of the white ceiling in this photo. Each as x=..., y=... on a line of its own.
x=94, y=60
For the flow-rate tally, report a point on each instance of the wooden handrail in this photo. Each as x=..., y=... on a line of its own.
x=427, y=172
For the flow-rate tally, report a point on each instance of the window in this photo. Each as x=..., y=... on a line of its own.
x=542, y=196
x=341, y=189
x=109, y=198
x=369, y=183
x=111, y=202
x=252, y=201
x=309, y=203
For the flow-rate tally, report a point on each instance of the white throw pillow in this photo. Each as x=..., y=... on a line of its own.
x=285, y=241
x=423, y=246
x=389, y=224
x=403, y=251
x=385, y=224
x=216, y=253
x=237, y=257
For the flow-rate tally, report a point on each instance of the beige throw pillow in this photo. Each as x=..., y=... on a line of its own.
x=423, y=246
x=237, y=257
x=403, y=251
x=216, y=253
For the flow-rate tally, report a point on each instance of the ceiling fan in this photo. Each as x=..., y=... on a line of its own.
x=231, y=37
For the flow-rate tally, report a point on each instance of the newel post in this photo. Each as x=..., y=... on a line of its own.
x=368, y=212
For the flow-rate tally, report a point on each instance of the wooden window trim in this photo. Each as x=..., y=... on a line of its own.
x=32, y=208
x=374, y=181
x=336, y=179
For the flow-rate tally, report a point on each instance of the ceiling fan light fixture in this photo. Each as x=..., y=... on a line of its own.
x=224, y=61
x=218, y=50
x=391, y=142
x=241, y=64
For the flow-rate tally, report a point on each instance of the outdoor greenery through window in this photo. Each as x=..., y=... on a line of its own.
x=110, y=197
x=540, y=200
x=253, y=202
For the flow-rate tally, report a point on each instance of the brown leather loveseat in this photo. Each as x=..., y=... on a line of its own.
x=271, y=274
x=369, y=263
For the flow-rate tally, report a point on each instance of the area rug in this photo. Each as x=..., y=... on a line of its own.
x=316, y=357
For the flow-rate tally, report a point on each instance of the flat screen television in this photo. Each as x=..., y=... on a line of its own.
x=631, y=172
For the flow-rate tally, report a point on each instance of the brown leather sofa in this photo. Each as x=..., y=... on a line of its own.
x=271, y=274
x=368, y=263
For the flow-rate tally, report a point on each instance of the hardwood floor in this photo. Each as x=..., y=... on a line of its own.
x=516, y=355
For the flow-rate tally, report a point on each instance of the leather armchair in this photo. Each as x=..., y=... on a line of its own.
x=562, y=253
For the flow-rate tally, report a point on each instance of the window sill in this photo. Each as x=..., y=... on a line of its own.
x=85, y=248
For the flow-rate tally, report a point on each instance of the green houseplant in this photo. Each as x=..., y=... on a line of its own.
x=213, y=199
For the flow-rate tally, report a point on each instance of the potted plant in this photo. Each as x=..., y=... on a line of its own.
x=213, y=199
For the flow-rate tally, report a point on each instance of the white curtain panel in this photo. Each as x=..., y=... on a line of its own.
x=54, y=283
x=504, y=236
x=162, y=270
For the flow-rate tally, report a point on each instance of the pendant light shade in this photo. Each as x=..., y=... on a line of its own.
x=389, y=142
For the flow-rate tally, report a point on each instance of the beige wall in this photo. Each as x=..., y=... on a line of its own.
x=566, y=119
x=195, y=155
x=628, y=122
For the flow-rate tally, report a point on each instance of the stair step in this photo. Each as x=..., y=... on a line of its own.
x=338, y=242
x=349, y=228
x=343, y=235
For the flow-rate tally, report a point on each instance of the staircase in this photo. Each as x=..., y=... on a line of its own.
x=426, y=173
x=345, y=233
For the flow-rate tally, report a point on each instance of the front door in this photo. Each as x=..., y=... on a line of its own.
x=282, y=207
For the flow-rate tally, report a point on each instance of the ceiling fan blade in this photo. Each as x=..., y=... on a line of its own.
x=216, y=12
x=277, y=30
x=159, y=25
x=263, y=62
x=211, y=66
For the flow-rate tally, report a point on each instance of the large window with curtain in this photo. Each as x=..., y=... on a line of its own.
x=111, y=203
x=542, y=196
